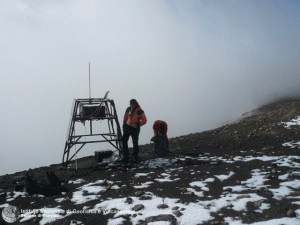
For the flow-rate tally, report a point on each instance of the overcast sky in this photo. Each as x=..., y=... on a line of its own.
x=194, y=64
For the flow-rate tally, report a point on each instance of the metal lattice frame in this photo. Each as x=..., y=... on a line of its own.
x=114, y=137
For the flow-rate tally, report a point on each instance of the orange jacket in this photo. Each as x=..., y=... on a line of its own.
x=138, y=117
x=156, y=127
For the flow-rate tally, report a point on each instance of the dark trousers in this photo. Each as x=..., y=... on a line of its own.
x=134, y=133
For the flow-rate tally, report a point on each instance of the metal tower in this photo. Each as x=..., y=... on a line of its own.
x=94, y=111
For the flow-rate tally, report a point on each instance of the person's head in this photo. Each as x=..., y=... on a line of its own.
x=133, y=104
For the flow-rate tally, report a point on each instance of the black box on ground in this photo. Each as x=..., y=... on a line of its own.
x=100, y=155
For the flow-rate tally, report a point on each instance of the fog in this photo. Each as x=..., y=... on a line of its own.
x=195, y=64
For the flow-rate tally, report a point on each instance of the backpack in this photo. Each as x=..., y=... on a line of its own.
x=161, y=145
x=51, y=179
x=51, y=185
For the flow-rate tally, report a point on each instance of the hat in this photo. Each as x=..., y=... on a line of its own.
x=133, y=102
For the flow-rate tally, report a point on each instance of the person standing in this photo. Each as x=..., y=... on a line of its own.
x=134, y=118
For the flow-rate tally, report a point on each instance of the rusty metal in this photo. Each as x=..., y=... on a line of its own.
x=81, y=106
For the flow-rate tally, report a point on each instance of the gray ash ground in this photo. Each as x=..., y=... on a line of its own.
x=241, y=173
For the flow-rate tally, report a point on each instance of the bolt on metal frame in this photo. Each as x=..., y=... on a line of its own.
x=114, y=137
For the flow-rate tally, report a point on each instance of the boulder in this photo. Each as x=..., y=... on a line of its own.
x=162, y=206
x=177, y=213
x=139, y=193
x=138, y=207
x=291, y=213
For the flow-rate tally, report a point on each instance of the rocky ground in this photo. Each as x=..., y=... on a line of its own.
x=246, y=172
